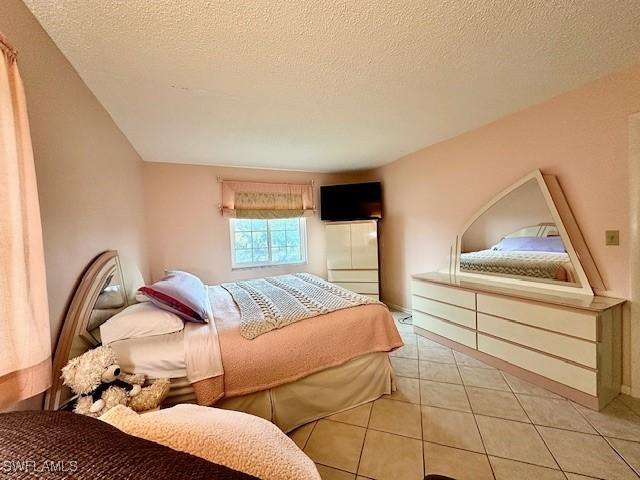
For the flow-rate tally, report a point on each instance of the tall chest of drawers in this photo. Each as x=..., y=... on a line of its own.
x=569, y=345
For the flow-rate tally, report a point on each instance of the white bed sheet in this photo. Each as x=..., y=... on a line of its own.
x=158, y=356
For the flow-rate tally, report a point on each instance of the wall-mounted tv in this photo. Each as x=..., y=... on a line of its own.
x=356, y=201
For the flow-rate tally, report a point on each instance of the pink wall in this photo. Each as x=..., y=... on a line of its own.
x=580, y=136
x=186, y=231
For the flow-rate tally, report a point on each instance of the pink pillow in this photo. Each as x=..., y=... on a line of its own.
x=181, y=293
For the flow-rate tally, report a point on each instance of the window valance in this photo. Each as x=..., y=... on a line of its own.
x=266, y=200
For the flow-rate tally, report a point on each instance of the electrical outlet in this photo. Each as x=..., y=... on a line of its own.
x=612, y=237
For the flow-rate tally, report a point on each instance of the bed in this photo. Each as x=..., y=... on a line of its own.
x=57, y=445
x=290, y=376
x=549, y=265
x=185, y=441
x=534, y=252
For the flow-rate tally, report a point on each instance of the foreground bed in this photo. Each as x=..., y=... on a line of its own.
x=58, y=445
x=186, y=441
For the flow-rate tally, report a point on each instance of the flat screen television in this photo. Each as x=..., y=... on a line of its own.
x=356, y=201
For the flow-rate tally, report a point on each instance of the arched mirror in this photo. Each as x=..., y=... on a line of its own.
x=520, y=238
x=99, y=296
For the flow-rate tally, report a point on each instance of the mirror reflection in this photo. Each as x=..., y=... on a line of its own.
x=518, y=238
x=111, y=300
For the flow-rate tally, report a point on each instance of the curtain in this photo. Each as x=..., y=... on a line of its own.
x=266, y=200
x=25, y=339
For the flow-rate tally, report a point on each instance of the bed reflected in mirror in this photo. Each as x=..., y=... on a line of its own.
x=517, y=237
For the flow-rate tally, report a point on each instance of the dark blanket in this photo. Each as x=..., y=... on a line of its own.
x=56, y=445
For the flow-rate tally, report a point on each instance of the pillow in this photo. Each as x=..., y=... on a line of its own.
x=139, y=320
x=181, y=293
x=530, y=244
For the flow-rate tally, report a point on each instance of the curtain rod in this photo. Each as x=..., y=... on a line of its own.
x=7, y=47
x=222, y=180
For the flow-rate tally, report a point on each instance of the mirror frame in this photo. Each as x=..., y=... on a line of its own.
x=77, y=318
x=561, y=221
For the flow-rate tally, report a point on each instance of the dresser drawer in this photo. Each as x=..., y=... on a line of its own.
x=353, y=275
x=576, y=377
x=454, y=296
x=574, y=349
x=446, y=311
x=444, y=329
x=370, y=288
x=577, y=324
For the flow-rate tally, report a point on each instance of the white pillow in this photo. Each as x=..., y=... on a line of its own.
x=140, y=320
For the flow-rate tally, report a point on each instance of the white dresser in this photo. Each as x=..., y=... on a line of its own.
x=352, y=256
x=570, y=345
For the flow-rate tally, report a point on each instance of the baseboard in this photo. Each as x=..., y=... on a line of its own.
x=393, y=306
x=626, y=389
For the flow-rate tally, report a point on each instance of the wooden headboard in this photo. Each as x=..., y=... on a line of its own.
x=100, y=295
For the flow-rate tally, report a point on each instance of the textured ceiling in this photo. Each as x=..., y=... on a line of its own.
x=328, y=85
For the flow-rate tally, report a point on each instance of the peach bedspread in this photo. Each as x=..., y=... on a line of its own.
x=295, y=351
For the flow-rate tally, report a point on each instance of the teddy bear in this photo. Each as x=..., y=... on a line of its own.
x=100, y=384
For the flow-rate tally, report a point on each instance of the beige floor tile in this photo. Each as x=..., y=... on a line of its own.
x=405, y=367
x=554, y=412
x=354, y=416
x=521, y=386
x=585, y=454
x=402, y=327
x=439, y=372
x=455, y=463
x=496, y=404
x=468, y=361
x=451, y=428
x=444, y=395
x=336, y=444
x=401, y=418
x=629, y=450
x=409, y=338
x=408, y=390
x=408, y=351
x=301, y=434
x=436, y=354
x=391, y=457
x=483, y=378
x=631, y=402
x=328, y=473
x=427, y=342
x=575, y=476
x=514, y=440
x=616, y=420
x=511, y=470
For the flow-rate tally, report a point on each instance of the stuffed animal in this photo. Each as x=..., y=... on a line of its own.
x=96, y=377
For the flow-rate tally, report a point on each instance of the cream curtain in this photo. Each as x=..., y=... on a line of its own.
x=25, y=340
x=266, y=200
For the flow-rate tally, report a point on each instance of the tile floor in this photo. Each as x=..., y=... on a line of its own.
x=456, y=416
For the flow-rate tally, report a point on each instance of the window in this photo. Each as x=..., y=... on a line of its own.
x=257, y=243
